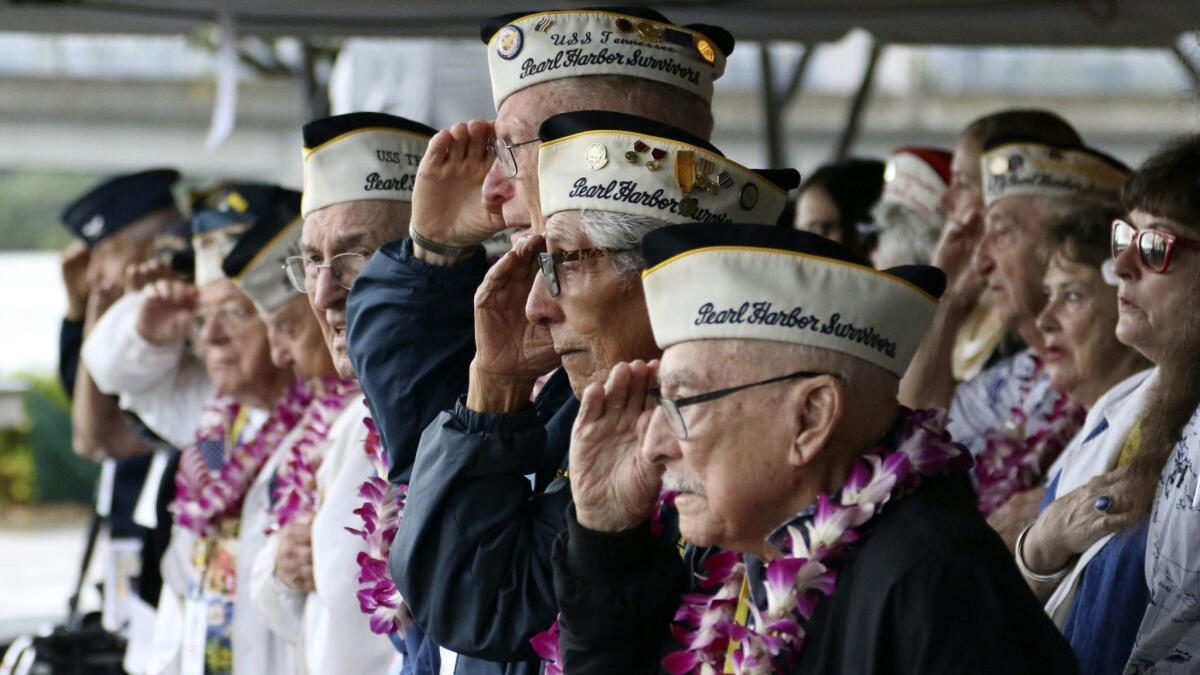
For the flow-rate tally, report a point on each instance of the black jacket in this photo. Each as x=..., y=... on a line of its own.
x=930, y=589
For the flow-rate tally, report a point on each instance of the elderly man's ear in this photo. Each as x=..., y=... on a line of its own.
x=819, y=405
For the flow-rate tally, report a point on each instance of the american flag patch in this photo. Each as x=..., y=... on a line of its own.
x=213, y=453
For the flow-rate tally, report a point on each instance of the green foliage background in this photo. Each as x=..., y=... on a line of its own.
x=36, y=462
x=30, y=203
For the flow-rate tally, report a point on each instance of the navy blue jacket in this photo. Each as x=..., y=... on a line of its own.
x=411, y=336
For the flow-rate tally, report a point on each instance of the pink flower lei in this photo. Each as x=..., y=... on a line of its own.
x=1014, y=460
x=204, y=498
x=296, y=489
x=795, y=581
x=381, y=513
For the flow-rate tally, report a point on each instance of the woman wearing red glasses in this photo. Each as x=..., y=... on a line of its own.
x=1157, y=258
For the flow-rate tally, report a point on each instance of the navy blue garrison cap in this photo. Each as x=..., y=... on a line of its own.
x=119, y=201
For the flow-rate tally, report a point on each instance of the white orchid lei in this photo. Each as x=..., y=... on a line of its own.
x=203, y=497
x=381, y=513
x=795, y=581
x=295, y=492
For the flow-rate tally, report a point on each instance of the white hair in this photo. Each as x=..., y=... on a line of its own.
x=905, y=237
x=619, y=232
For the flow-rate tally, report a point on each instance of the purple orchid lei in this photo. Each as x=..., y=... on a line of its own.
x=796, y=580
x=296, y=490
x=204, y=498
x=381, y=513
x=1013, y=460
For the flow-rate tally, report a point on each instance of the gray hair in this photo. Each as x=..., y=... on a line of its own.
x=619, y=232
x=623, y=93
x=905, y=237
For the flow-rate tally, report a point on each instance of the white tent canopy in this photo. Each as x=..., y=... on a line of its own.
x=965, y=22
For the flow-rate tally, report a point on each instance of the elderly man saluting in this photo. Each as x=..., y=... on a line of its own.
x=850, y=544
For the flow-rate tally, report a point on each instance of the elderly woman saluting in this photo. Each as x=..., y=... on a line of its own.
x=1084, y=552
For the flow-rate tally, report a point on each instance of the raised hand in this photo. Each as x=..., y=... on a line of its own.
x=447, y=201
x=100, y=298
x=167, y=310
x=955, y=248
x=613, y=485
x=510, y=352
x=140, y=275
x=74, y=260
x=293, y=563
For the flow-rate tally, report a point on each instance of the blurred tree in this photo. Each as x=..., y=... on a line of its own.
x=30, y=202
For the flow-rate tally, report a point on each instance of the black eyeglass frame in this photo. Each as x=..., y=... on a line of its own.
x=671, y=407
x=548, y=263
x=496, y=145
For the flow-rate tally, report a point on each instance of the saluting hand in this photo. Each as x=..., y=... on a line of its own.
x=510, y=352
x=448, y=196
x=613, y=485
x=167, y=311
x=141, y=275
x=953, y=255
x=74, y=261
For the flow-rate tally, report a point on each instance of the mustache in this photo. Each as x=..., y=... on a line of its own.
x=675, y=483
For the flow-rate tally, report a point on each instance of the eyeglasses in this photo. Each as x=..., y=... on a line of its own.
x=1154, y=246
x=233, y=317
x=303, y=271
x=671, y=407
x=549, y=262
x=502, y=151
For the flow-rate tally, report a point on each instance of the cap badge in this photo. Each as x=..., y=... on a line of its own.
x=639, y=147
x=749, y=197
x=650, y=32
x=509, y=42
x=688, y=207
x=543, y=25
x=685, y=172
x=233, y=201
x=624, y=25
x=657, y=154
x=597, y=156
x=706, y=49
x=92, y=228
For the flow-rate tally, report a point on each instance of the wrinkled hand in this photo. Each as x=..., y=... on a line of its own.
x=74, y=261
x=448, y=197
x=167, y=310
x=613, y=485
x=1020, y=510
x=1071, y=523
x=293, y=564
x=507, y=345
x=141, y=275
x=953, y=255
x=100, y=298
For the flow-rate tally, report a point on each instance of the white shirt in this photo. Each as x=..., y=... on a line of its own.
x=335, y=636
x=257, y=650
x=1092, y=452
x=165, y=385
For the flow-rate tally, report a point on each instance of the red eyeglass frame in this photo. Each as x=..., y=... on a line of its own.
x=1169, y=238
